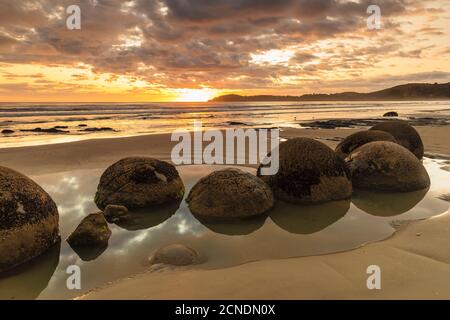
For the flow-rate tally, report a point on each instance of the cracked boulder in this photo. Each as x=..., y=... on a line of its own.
x=139, y=182
x=309, y=172
x=28, y=219
x=230, y=193
x=386, y=166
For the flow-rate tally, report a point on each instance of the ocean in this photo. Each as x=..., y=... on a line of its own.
x=79, y=121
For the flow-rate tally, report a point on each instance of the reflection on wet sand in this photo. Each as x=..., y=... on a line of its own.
x=234, y=227
x=89, y=253
x=148, y=218
x=382, y=204
x=308, y=219
x=29, y=280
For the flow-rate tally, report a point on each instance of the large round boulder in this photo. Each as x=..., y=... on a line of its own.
x=358, y=139
x=230, y=193
x=139, y=182
x=28, y=219
x=309, y=172
x=405, y=135
x=386, y=166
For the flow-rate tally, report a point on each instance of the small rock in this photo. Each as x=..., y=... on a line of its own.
x=7, y=131
x=92, y=231
x=114, y=213
x=98, y=129
x=82, y=125
x=176, y=255
x=418, y=234
x=390, y=114
x=40, y=130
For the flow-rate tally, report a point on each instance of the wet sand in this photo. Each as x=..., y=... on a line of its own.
x=415, y=262
x=100, y=153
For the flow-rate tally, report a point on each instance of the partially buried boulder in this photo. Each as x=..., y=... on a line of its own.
x=358, y=139
x=405, y=135
x=386, y=166
x=309, y=172
x=230, y=193
x=139, y=182
x=92, y=231
x=175, y=255
x=28, y=219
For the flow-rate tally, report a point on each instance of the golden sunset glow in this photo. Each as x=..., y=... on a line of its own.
x=136, y=52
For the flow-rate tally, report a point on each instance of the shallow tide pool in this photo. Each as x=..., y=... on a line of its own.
x=287, y=231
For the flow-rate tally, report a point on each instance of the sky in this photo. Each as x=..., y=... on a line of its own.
x=194, y=50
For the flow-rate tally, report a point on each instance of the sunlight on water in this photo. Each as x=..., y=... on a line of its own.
x=138, y=119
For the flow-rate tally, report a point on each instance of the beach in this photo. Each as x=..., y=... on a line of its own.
x=414, y=259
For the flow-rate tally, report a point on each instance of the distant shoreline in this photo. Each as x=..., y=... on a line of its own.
x=406, y=92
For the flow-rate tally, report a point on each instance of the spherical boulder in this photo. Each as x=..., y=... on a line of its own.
x=139, y=182
x=28, y=219
x=386, y=166
x=405, y=135
x=358, y=139
x=175, y=255
x=309, y=172
x=230, y=193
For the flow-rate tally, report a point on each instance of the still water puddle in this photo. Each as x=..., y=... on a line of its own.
x=288, y=231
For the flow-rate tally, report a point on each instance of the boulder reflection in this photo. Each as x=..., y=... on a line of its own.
x=382, y=204
x=233, y=227
x=308, y=219
x=149, y=217
x=27, y=281
x=89, y=253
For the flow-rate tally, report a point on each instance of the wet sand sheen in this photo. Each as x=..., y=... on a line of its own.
x=287, y=231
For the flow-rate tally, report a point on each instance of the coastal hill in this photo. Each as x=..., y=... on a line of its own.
x=411, y=91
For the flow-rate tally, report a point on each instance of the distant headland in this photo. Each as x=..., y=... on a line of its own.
x=410, y=91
